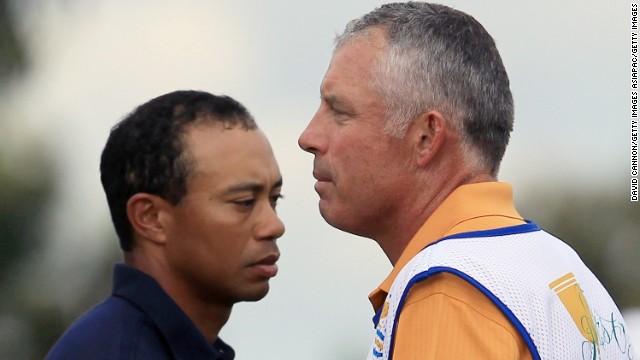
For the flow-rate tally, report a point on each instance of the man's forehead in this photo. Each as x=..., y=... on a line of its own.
x=344, y=81
x=216, y=147
x=355, y=59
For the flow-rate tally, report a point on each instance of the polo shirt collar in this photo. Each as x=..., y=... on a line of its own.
x=467, y=202
x=182, y=336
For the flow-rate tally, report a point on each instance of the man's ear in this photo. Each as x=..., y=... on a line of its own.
x=144, y=212
x=428, y=134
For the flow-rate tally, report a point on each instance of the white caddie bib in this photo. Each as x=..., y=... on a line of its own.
x=558, y=306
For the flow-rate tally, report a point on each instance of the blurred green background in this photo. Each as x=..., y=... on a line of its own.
x=597, y=220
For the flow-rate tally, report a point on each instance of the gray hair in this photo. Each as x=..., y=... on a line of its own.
x=443, y=59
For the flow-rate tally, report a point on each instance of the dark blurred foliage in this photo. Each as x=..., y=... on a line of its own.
x=603, y=226
x=12, y=52
x=24, y=195
x=31, y=320
x=20, y=201
x=22, y=205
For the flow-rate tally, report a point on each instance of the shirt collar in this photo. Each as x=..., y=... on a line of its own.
x=183, y=337
x=459, y=212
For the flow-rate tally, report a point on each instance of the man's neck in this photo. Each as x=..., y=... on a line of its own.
x=418, y=209
x=209, y=317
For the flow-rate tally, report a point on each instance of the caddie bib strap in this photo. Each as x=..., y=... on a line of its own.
x=541, y=285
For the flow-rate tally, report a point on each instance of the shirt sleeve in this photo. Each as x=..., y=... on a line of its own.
x=445, y=317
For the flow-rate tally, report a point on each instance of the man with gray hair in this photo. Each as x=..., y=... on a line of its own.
x=414, y=120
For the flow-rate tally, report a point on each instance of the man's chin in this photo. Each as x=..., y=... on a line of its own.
x=333, y=219
x=257, y=294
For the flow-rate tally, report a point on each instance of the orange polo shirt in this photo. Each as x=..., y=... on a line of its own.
x=445, y=317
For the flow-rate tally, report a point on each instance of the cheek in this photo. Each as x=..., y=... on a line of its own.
x=229, y=243
x=224, y=240
x=211, y=255
x=370, y=173
x=351, y=155
x=360, y=160
x=209, y=236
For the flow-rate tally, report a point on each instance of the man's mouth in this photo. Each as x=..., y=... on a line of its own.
x=267, y=266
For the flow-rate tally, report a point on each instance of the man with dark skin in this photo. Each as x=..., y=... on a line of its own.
x=192, y=185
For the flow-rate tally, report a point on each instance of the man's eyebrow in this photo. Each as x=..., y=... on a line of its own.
x=253, y=187
x=331, y=99
x=336, y=101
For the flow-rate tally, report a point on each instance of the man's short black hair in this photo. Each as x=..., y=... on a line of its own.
x=145, y=152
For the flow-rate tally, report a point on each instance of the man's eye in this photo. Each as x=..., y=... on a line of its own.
x=274, y=199
x=340, y=115
x=338, y=112
x=245, y=203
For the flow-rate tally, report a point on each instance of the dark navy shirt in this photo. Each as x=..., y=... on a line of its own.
x=138, y=321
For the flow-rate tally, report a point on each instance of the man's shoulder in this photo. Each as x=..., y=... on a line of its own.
x=449, y=286
x=110, y=330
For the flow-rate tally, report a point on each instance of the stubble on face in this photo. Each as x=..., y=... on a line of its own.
x=356, y=161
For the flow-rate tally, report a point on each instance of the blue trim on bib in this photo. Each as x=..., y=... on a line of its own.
x=530, y=226
x=505, y=310
x=376, y=317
